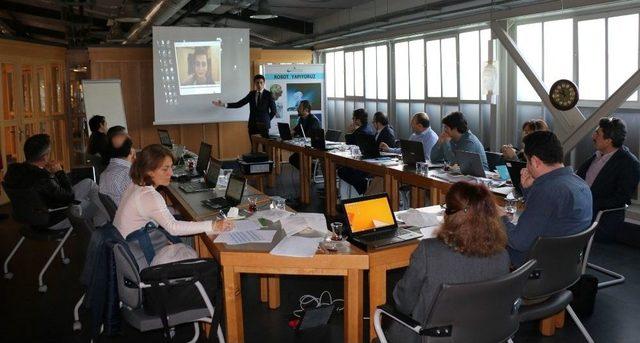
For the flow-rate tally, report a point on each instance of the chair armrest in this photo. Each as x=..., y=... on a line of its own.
x=57, y=209
x=601, y=212
x=401, y=318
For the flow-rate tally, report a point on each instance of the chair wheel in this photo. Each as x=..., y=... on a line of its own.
x=77, y=326
x=42, y=289
x=8, y=276
x=66, y=260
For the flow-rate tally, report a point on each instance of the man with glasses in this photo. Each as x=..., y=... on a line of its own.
x=612, y=173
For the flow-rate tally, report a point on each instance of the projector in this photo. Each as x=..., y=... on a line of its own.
x=255, y=157
x=252, y=168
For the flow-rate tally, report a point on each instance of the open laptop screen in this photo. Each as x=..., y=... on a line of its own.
x=211, y=179
x=235, y=188
x=369, y=214
x=203, y=157
x=165, y=139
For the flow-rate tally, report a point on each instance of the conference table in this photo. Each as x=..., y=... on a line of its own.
x=256, y=259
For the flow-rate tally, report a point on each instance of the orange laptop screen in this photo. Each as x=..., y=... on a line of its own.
x=369, y=214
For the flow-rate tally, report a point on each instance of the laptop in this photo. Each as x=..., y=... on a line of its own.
x=368, y=146
x=165, y=138
x=317, y=139
x=285, y=131
x=514, y=168
x=204, y=154
x=470, y=163
x=210, y=179
x=333, y=136
x=412, y=153
x=372, y=224
x=232, y=196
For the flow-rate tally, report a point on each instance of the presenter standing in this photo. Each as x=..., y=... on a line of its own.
x=262, y=107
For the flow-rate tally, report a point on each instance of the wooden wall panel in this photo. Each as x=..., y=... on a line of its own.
x=148, y=132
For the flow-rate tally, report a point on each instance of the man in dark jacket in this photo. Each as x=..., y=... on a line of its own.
x=384, y=132
x=349, y=176
x=98, y=142
x=359, y=126
x=52, y=184
x=612, y=173
x=307, y=122
x=262, y=107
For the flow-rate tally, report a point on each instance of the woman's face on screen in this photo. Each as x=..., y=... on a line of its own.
x=201, y=66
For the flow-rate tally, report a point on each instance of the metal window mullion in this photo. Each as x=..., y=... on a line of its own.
x=606, y=57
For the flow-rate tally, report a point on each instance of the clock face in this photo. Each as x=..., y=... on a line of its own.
x=563, y=95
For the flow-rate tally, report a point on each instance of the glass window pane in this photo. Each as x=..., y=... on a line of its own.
x=358, y=71
x=348, y=73
x=330, y=74
x=469, y=65
x=433, y=69
x=485, y=37
x=622, y=50
x=339, y=61
x=449, y=68
x=558, y=51
x=416, y=65
x=591, y=59
x=530, y=46
x=382, y=71
x=401, y=52
x=370, y=72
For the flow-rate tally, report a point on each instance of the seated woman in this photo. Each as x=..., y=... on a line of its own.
x=512, y=154
x=142, y=204
x=470, y=247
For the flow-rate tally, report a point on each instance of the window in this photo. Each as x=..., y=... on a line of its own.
x=622, y=50
x=348, y=69
x=402, y=70
x=370, y=72
x=416, y=66
x=530, y=46
x=339, y=63
x=591, y=59
x=469, y=65
x=381, y=52
x=358, y=73
x=558, y=51
x=433, y=69
x=449, y=68
x=330, y=74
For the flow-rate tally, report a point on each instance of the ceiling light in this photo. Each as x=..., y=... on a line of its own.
x=264, y=11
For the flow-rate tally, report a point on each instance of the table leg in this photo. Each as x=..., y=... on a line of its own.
x=391, y=188
x=264, y=289
x=353, y=306
x=377, y=294
x=278, y=159
x=305, y=197
x=233, y=305
x=272, y=176
x=417, y=197
x=330, y=189
x=274, y=291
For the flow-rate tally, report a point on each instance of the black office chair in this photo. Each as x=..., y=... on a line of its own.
x=31, y=211
x=494, y=159
x=617, y=278
x=561, y=261
x=109, y=205
x=98, y=165
x=476, y=312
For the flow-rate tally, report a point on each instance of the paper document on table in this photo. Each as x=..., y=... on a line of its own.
x=245, y=225
x=417, y=218
x=301, y=221
x=272, y=215
x=429, y=232
x=296, y=247
x=243, y=237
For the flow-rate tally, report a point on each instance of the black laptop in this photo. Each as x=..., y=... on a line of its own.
x=334, y=136
x=412, y=153
x=367, y=145
x=232, y=196
x=210, y=179
x=165, y=138
x=204, y=154
x=317, y=139
x=372, y=224
x=285, y=131
x=514, y=168
x=470, y=163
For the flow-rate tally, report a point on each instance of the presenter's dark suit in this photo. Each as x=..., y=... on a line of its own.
x=612, y=188
x=259, y=112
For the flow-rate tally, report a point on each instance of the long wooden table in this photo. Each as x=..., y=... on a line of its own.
x=255, y=259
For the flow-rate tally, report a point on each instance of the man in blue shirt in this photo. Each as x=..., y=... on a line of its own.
x=422, y=132
x=558, y=202
x=456, y=136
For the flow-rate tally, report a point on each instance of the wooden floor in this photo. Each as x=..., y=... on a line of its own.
x=29, y=316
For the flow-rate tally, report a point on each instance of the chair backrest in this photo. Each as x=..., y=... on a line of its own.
x=479, y=312
x=560, y=263
x=27, y=206
x=128, y=277
x=494, y=159
x=97, y=163
x=109, y=205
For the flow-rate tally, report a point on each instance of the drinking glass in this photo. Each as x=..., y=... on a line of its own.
x=337, y=228
x=422, y=168
x=253, y=203
x=355, y=151
x=278, y=203
x=510, y=205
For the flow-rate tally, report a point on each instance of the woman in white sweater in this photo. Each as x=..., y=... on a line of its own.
x=141, y=203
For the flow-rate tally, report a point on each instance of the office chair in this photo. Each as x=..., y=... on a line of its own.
x=30, y=210
x=132, y=281
x=476, y=312
x=109, y=205
x=98, y=165
x=617, y=278
x=561, y=261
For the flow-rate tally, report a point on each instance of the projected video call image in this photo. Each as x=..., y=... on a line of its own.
x=297, y=92
x=198, y=66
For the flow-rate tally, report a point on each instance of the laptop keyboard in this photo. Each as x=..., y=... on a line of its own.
x=388, y=238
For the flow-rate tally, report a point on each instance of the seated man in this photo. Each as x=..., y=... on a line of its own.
x=52, y=184
x=558, y=201
x=422, y=132
x=384, y=132
x=113, y=131
x=98, y=142
x=306, y=122
x=115, y=179
x=612, y=173
x=349, y=176
x=456, y=136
